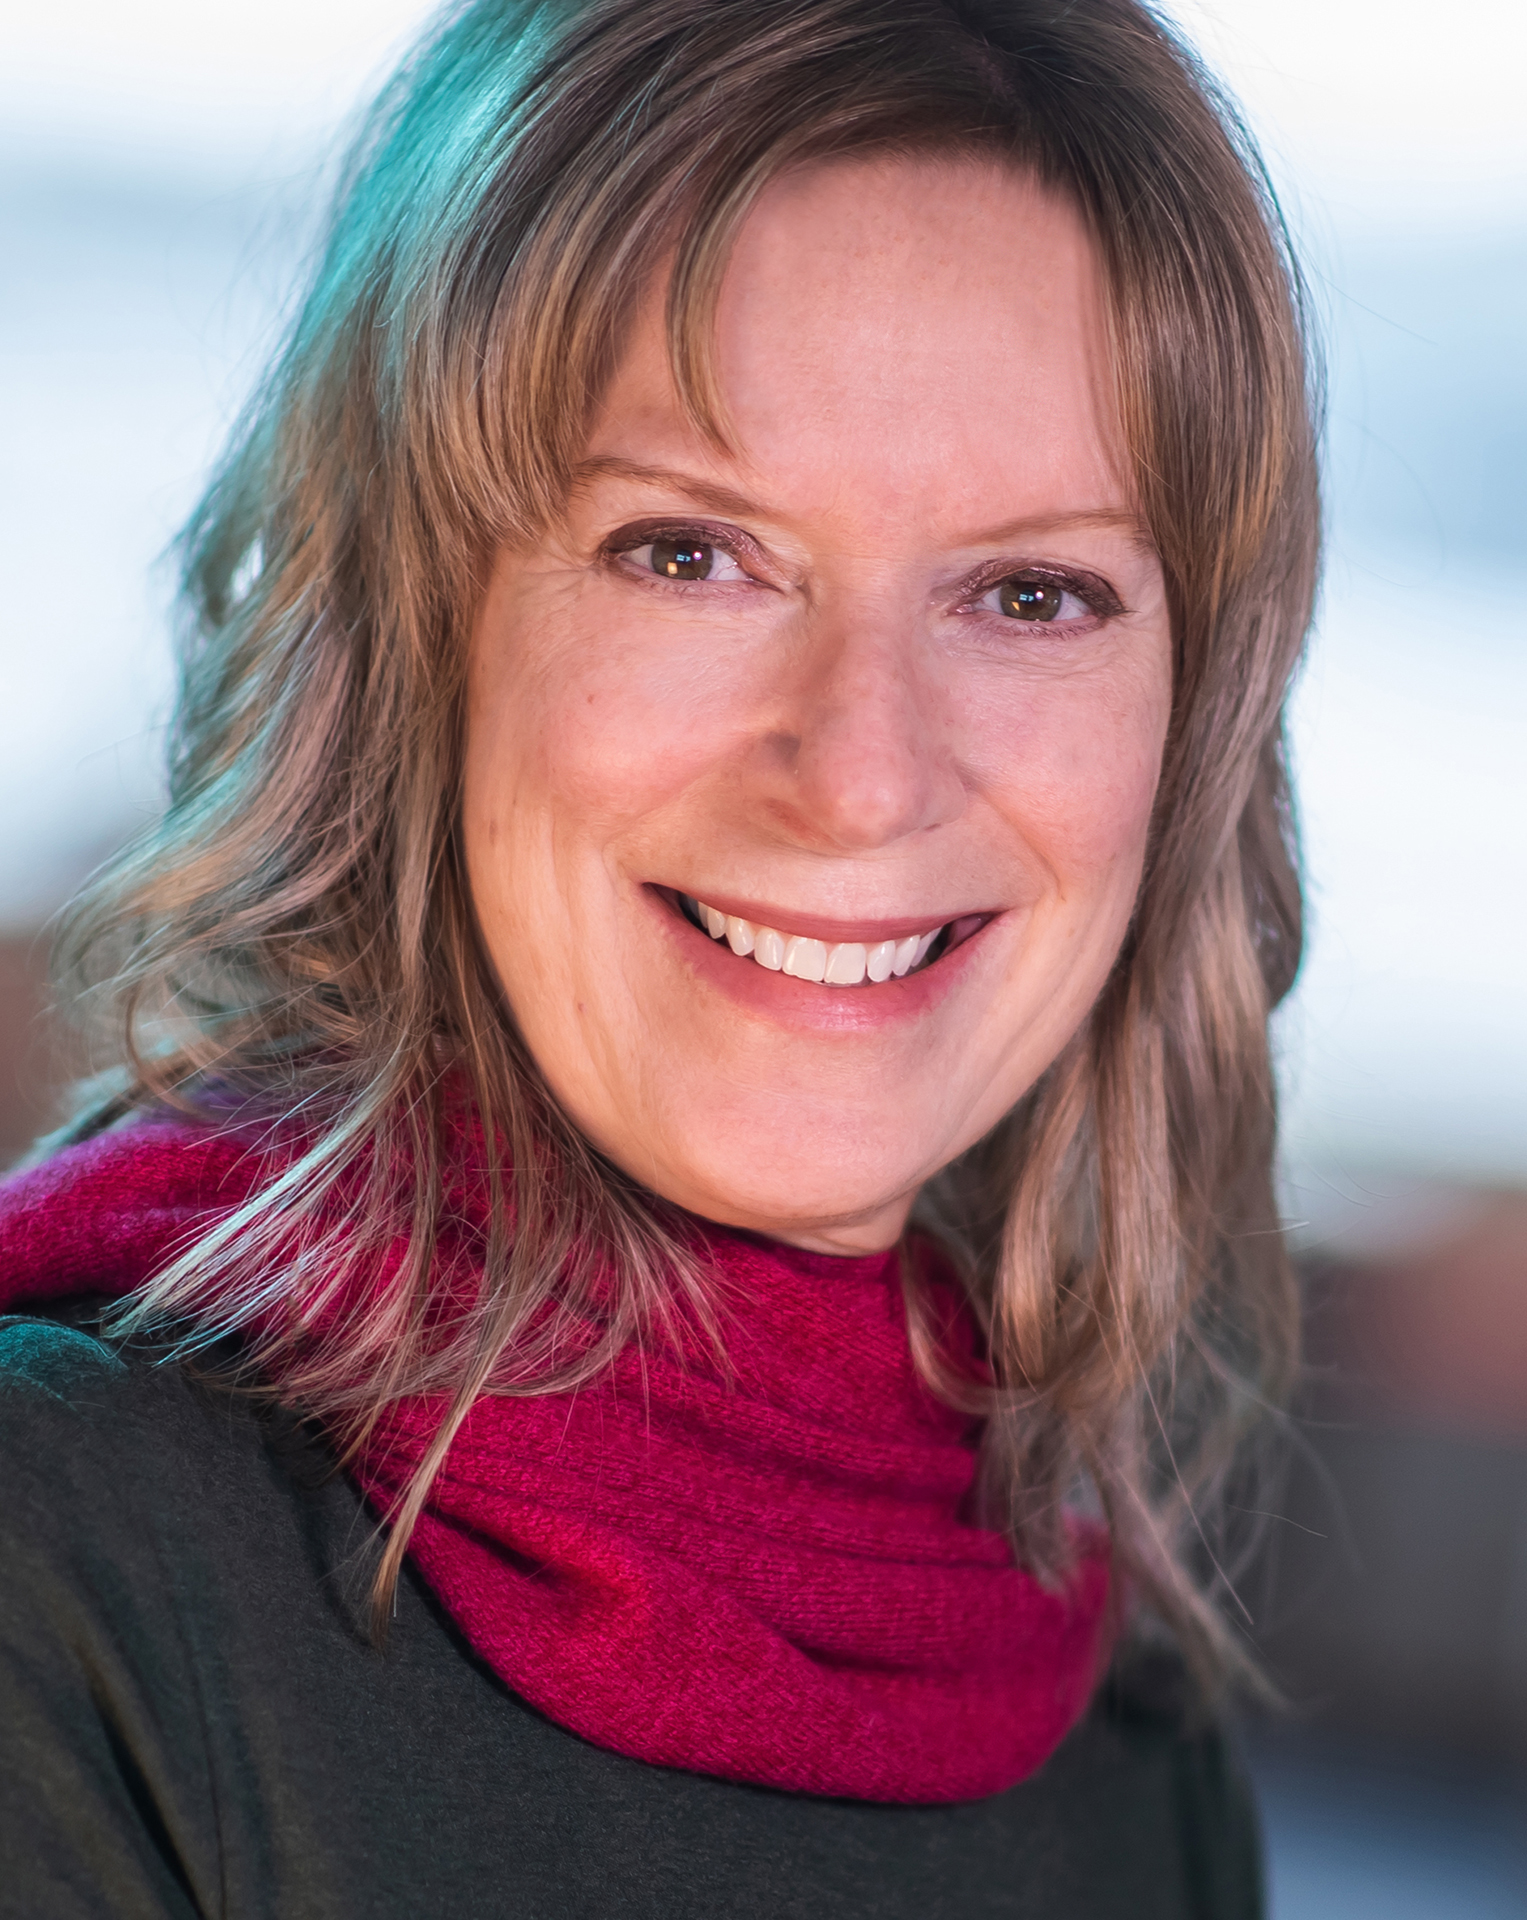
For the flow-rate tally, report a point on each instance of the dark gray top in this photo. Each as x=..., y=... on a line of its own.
x=194, y=1722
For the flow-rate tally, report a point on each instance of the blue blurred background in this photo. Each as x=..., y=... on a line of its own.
x=161, y=168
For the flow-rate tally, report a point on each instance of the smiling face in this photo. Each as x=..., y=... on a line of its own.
x=895, y=666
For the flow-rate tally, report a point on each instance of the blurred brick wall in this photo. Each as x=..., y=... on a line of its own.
x=33, y=1064
x=1393, y=1598
x=1435, y=1334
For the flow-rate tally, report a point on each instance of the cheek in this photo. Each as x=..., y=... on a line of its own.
x=1099, y=806
x=1074, y=766
x=575, y=740
x=612, y=745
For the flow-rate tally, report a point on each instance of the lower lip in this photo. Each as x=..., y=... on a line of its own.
x=806, y=1004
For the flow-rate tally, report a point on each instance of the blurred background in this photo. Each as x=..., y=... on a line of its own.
x=162, y=165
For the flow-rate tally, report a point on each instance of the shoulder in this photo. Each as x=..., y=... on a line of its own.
x=66, y=1397
x=67, y=1404
x=146, y=1528
x=50, y=1360
x=1150, y=1722
x=105, y=1461
x=64, y=1391
x=125, y=1475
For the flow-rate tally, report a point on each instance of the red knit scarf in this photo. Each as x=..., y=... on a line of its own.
x=771, y=1579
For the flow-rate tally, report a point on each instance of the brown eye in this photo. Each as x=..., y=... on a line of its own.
x=682, y=559
x=1022, y=599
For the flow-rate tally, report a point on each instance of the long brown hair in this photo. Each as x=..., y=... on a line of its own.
x=295, y=933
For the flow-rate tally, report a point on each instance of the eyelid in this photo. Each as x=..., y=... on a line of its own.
x=1090, y=588
x=641, y=533
x=1095, y=592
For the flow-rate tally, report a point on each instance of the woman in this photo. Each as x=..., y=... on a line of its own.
x=692, y=1040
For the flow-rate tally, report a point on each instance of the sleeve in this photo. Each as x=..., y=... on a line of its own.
x=104, y=1794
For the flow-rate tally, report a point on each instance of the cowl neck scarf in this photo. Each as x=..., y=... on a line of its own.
x=768, y=1574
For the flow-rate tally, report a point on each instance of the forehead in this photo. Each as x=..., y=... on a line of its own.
x=900, y=339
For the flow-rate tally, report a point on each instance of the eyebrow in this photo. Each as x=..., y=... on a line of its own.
x=704, y=493
x=718, y=499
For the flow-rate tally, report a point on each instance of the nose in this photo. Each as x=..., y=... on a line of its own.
x=862, y=754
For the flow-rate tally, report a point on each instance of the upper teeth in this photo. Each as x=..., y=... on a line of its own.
x=844, y=965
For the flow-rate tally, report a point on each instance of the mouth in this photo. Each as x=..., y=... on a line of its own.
x=863, y=964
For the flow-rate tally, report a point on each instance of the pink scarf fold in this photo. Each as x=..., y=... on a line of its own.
x=770, y=1578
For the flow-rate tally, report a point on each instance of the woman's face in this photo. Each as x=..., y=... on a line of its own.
x=896, y=665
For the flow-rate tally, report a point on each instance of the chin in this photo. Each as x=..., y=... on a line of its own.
x=789, y=1187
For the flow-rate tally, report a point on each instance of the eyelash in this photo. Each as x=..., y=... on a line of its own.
x=622, y=545
x=617, y=550
x=1097, y=598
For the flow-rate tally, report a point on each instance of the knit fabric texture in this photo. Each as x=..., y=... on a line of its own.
x=765, y=1570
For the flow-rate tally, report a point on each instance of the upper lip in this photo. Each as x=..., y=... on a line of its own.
x=819, y=926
